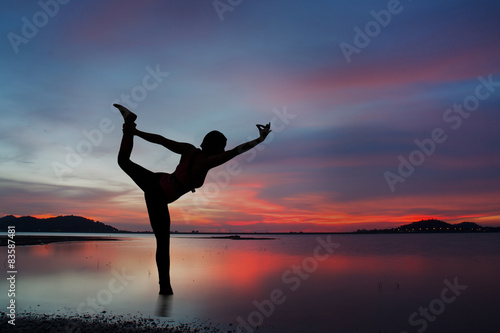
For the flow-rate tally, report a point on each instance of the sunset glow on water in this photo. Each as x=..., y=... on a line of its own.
x=382, y=279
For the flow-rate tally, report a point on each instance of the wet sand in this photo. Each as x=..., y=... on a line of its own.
x=40, y=240
x=32, y=322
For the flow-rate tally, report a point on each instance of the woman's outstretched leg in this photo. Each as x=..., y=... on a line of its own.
x=160, y=222
x=139, y=175
x=126, y=145
x=145, y=179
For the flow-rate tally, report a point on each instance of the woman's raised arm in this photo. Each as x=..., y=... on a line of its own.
x=174, y=146
x=222, y=158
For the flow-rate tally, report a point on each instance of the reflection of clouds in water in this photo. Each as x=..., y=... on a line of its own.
x=41, y=250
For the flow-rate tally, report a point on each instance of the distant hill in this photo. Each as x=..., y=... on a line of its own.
x=68, y=223
x=435, y=226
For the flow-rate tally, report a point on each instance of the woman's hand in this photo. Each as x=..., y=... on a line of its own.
x=264, y=131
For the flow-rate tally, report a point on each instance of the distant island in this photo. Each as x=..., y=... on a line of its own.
x=432, y=226
x=69, y=223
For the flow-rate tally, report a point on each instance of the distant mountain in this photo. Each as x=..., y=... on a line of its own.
x=67, y=223
x=434, y=226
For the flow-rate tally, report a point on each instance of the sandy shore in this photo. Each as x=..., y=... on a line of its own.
x=31, y=322
x=40, y=240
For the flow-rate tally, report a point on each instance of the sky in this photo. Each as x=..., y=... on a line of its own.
x=383, y=112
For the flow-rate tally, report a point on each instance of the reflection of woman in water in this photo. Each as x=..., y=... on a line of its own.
x=160, y=189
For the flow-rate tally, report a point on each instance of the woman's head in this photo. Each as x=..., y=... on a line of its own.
x=214, y=143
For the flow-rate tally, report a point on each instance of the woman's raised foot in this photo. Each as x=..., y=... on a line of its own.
x=128, y=115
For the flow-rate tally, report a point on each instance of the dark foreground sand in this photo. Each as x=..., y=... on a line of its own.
x=40, y=240
x=31, y=322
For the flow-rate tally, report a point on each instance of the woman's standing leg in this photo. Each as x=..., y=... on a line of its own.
x=160, y=222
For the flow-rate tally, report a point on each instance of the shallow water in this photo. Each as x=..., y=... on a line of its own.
x=294, y=283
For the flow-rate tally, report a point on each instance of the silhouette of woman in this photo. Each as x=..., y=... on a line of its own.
x=161, y=189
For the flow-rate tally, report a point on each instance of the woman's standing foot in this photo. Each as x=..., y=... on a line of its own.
x=166, y=290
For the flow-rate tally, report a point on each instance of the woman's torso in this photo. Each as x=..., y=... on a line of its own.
x=192, y=169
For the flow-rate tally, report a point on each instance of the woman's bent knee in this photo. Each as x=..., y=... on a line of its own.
x=123, y=161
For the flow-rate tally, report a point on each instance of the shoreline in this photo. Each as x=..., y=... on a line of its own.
x=24, y=240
